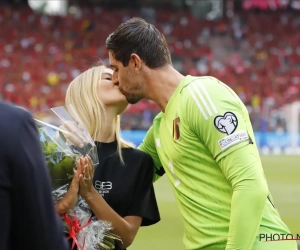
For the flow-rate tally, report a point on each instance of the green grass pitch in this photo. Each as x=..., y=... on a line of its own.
x=283, y=175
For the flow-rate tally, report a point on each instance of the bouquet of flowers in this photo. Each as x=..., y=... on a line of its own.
x=64, y=139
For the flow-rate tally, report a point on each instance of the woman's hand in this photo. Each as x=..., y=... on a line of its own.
x=71, y=197
x=86, y=178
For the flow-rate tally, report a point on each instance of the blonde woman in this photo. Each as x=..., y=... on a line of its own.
x=120, y=190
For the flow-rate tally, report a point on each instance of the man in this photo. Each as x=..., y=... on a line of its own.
x=204, y=140
x=27, y=215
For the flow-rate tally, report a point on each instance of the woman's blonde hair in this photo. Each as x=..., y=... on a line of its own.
x=82, y=94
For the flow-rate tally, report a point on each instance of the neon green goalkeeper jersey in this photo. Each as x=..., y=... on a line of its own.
x=205, y=143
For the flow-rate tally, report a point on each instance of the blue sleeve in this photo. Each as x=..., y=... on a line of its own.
x=36, y=224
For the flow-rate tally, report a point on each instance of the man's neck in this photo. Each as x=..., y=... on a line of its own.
x=162, y=84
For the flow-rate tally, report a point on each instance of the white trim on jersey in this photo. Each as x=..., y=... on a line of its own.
x=158, y=142
x=202, y=99
x=195, y=87
x=197, y=102
x=209, y=99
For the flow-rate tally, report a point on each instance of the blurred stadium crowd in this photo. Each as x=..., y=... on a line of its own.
x=257, y=53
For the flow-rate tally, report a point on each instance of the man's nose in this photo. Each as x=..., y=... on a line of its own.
x=116, y=81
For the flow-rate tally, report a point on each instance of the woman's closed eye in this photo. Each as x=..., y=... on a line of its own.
x=107, y=76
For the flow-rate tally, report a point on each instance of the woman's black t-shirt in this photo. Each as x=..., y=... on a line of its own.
x=127, y=188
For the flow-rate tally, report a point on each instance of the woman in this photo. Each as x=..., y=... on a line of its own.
x=120, y=191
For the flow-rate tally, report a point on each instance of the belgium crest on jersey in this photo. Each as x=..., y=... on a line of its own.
x=176, y=128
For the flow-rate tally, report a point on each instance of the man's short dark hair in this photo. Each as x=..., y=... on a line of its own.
x=144, y=39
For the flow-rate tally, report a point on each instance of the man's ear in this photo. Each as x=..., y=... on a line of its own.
x=136, y=61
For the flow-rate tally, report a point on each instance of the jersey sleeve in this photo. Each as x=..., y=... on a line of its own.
x=243, y=170
x=144, y=201
x=216, y=116
x=148, y=146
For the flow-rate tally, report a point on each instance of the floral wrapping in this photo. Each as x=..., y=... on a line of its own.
x=57, y=129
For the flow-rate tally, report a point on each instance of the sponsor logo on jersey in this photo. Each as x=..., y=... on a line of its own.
x=227, y=123
x=176, y=128
x=230, y=140
x=103, y=187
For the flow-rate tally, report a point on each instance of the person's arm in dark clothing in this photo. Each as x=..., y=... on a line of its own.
x=35, y=224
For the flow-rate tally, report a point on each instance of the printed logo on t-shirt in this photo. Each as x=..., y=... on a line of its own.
x=230, y=140
x=103, y=187
x=227, y=123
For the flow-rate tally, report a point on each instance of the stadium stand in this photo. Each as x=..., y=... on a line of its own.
x=255, y=53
